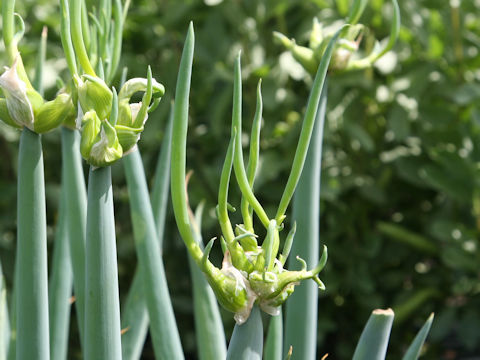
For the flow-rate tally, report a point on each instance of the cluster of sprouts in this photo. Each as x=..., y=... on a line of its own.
x=251, y=273
x=110, y=124
x=346, y=56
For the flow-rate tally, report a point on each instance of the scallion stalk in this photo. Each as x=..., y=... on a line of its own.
x=32, y=327
x=60, y=286
x=102, y=308
x=76, y=213
x=301, y=307
x=163, y=328
x=247, y=339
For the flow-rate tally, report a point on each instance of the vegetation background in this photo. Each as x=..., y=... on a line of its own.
x=400, y=196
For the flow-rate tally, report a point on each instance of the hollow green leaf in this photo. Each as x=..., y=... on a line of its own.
x=102, y=308
x=247, y=339
x=163, y=329
x=32, y=330
x=413, y=351
x=274, y=342
x=60, y=286
x=373, y=341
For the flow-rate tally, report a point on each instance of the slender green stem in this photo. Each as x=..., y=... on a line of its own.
x=135, y=315
x=161, y=185
x=134, y=320
x=373, y=342
x=307, y=128
x=8, y=28
x=238, y=164
x=247, y=339
x=67, y=38
x=394, y=30
x=179, y=142
x=237, y=253
x=117, y=40
x=8, y=32
x=163, y=329
x=413, y=351
x=274, y=342
x=253, y=157
x=76, y=212
x=356, y=11
x=222, y=210
x=86, y=27
x=102, y=308
x=32, y=290
x=104, y=14
x=60, y=286
x=77, y=37
x=301, y=307
x=38, y=80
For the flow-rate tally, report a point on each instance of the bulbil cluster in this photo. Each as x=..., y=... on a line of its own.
x=251, y=273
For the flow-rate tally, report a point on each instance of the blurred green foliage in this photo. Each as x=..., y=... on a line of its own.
x=400, y=182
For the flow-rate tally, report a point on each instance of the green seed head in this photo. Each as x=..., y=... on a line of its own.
x=250, y=273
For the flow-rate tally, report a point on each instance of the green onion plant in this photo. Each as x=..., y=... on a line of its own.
x=251, y=276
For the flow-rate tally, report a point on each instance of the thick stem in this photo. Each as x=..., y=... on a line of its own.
x=76, y=216
x=32, y=289
x=134, y=320
x=373, y=342
x=135, y=315
x=161, y=185
x=274, y=342
x=301, y=307
x=163, y=327
x=247, y=339
x=102, y=308
x=60, y=287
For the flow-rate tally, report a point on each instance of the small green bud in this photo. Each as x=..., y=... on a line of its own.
x=99, y=143
x=18, y=103
x=53, y=113
x=94, y=94
x=304, y=55
x=26, y=107
x=106, y=148
x=90, y=129
x=232, y=290
x=128, y=133
x=125, y=112
x=128, y=137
